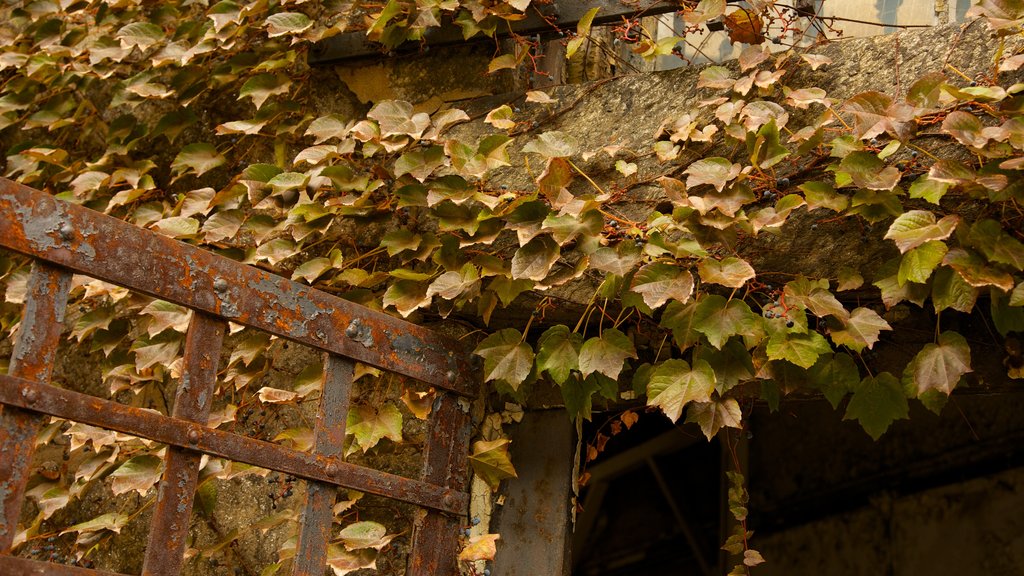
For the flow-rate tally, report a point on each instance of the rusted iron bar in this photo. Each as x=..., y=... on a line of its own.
x=539, y=19
x=14, y=566
x=32, y=358
x=168, y=530
x=435, y=546
x=79, y=407
x=43, y=227
x=328, y=440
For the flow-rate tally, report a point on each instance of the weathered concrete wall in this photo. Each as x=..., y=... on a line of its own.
x=974, y=527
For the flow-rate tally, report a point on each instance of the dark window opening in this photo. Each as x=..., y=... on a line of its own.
x=652, y=505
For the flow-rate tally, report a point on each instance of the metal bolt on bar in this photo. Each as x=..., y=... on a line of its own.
x=65, y=239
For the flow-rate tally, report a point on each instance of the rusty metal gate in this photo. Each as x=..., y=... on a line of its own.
x=64, y=238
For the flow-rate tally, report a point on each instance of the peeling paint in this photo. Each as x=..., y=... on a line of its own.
x=360, y=332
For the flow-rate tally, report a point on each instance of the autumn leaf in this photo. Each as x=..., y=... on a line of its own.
x=362, y=535
x=860, y=330
x=732, y=272
x=916, y=227
x=139, y=474
x=506, y=357
x=715, y=415
x=674, y=384
x=370, y=424
x=606, y=353
x=940, y=366
x=491, y=461
x=481, y=547
x=718, y=319
x=658, y=283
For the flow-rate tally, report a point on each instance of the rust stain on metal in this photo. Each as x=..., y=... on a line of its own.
x=167, y=430
x=434, y=545
x=328, y=440
x=64, y=238
x=32, y=358
x=359, y=332
x=168, y=529
x=142, y=260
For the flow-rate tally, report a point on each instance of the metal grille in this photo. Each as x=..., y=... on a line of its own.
x=64, y=239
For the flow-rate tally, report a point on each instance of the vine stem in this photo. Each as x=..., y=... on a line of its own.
x=584, y=174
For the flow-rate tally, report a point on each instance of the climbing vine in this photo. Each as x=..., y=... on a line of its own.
x=196, y=121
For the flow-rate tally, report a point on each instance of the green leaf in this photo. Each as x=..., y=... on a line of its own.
x=534, y=260
x=925, y=91
x=606, y=353
x=940, y=366
x=715, y=415
x=365, y=534
x=989, y=238
x=506, y=357
x=501, y=118
x=716, y=171
x=916, y=227
x=680, y=319
x=732, y=364
x=112, y=521
x=767, y=151
x=491, y=461
x=370, y=424
x=823, y=195
x=177, y=227
x=310, y=270
x=452, y=285
x=876, y=403
x=719, y=319
x=976, y=271
x=341, y=561
x=292, y=23
x=143, y=35
x=950, y=290
x=868, y=171
x=800, y=348
x=223, y=225
x=835, y=376
x=552, y=144
x=860, y=330
x=582, y=30
x=262, y=86
x=918, y=263
x=658, y=283
x=96, y=319
x=619, y=260
x=139, y=473
x=160, y=350
x=558, y=352
x=674, y=384
x=568, y=227
x=199, y=158
x=1017, y=296
x=332, y=126
x=732, y=272
x=814, y=295
x=1006, y=318
x=578, y=395
x=406, y=296
x=420, y=163
x=397, y=118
